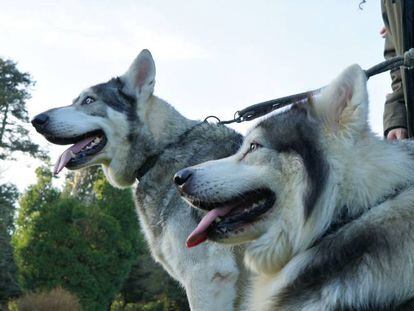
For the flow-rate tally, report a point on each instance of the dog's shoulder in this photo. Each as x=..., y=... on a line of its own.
x=365, y=265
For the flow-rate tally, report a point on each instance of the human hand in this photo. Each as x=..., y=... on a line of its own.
x=397, y=133
x=383, y=32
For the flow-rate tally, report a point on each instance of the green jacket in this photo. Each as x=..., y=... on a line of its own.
x=398, y=16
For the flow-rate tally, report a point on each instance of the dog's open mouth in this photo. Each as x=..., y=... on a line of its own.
x=85, y=147
x=230, y=216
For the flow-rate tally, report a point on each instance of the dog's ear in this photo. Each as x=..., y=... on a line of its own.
x=343, y=104
x=140, y=78
x=305, y=107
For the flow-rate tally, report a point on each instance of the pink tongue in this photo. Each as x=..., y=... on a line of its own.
x=199, y=235
x=67, y=154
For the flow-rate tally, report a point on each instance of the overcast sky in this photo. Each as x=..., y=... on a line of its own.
x=212, y=57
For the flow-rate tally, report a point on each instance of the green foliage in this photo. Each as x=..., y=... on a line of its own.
x=37, y=197
x=86, y=239
x=57, y=299
x=161, y=303
x=76, y=247
x=8, y=273
x=14, y=136
x=81, y=183
x=88, y=249
x=8, y=197
x=149, y=287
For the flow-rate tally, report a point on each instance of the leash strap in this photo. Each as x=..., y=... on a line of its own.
x=254, y=111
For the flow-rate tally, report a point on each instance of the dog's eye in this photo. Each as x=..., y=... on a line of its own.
x=254, y=146
x=88, y=100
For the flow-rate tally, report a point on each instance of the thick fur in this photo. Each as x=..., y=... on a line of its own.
x=340, y=235
x=138, y=125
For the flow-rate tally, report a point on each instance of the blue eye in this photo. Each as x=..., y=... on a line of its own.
x=88, y=100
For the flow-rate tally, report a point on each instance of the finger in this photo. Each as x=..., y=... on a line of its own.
x=403, y=134
x=391, y=135
x=383, y=32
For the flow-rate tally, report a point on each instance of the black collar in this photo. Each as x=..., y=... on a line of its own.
x=152, y=159
x=147, y=165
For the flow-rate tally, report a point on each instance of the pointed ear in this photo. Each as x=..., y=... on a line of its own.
x=306, y=107
x=140, y=78
x=343, y=104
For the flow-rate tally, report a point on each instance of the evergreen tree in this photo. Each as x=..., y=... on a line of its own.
x=86, y=248
x=37, y=197
x=8, y=273
x=14, y=92
x=147, y=283
x=14, y=86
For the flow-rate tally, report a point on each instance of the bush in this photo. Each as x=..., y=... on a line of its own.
x=87, y=248
x=75, y=247
x=57, y=299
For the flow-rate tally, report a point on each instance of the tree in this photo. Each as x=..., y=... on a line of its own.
x=147, y=283
x=8, y=272
x=8, y=196
x=85, y=248
x=86, y=239
x=14, y=93
x=14, y=86
x=37, y=197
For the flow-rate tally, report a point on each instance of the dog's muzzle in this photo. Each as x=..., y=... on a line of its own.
x=40, y=121
x=182, y=178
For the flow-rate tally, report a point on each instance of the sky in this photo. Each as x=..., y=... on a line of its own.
x=212, y=57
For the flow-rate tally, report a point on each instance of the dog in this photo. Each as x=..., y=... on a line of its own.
x=135, y=135
x=327, y=208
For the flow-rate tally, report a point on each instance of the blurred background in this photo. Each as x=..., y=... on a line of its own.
x=212, y=57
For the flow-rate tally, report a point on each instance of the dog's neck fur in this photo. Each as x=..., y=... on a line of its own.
x=355, y=178
x=353, y=191
x=370, y=161
x=157, y=125
x=180, y=135
x=169, y=129
x=164, y=122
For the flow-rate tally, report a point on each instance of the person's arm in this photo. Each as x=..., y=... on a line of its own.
x=395, y=113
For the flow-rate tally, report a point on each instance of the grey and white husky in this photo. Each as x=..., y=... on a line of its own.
x=135, y=135
x=328, y=207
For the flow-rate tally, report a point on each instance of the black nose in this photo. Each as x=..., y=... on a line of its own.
x=40, y=121
x=181, y=177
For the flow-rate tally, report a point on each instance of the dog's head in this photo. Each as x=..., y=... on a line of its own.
x=271, y=190
x=105, y=123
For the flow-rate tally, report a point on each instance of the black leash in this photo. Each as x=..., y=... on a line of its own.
x=254, y=111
